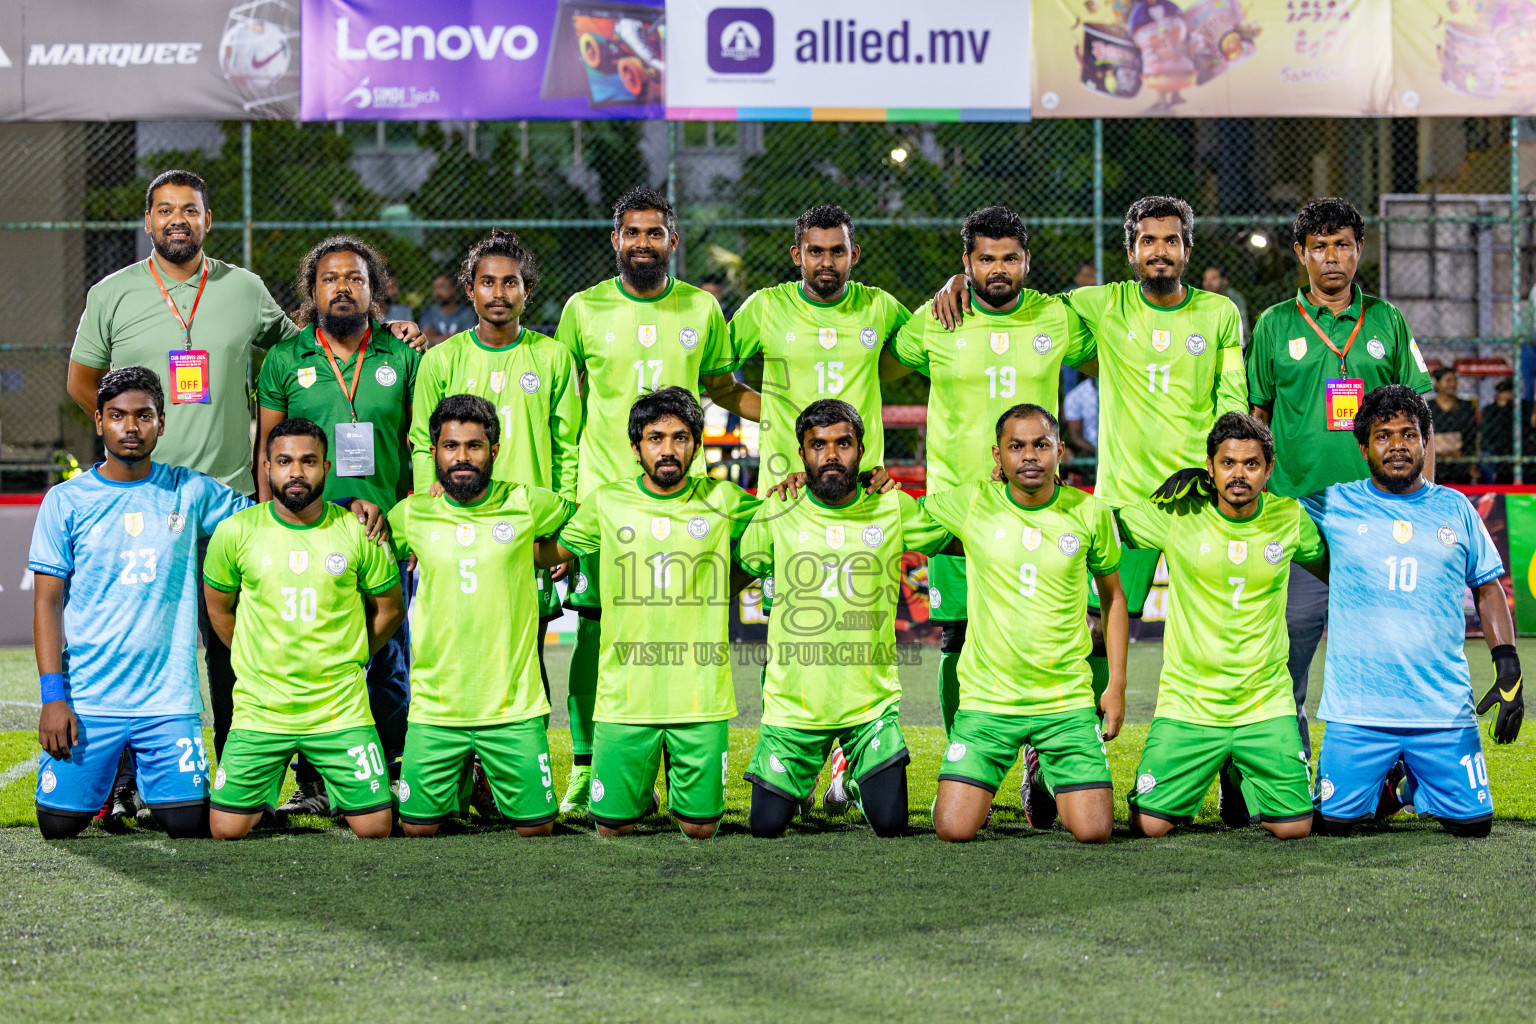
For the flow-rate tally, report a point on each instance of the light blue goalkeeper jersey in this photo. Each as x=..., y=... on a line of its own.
x=1400, y=568
x=129, y=555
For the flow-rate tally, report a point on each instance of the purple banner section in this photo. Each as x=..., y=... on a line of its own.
x=373, y=60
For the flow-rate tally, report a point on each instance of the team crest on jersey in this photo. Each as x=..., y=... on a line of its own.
x=529, y=382
x=175, y=522
x=1031, y=537
x=1161, y=340
x=1042, y=343
x=306, y=376
x=835, y=536
x=1325, y=788
x=1273, y=552
x=218, y=780
x=335, y=563
x=955, y=752
x=1068, y=544
x=827, y=336
x=502, y=533
x=48, y=781
x=935, y=599
x=498, y=380
x=868, y=338
x=776, y=764
x=466, y=534
x=698, y=527
x=1298, y=347
x=1195, y=344
x=1000, y=342
x=688, y=338
x=647, y=334
x=1376, y=348
x=768, y=587
x=581, y=583
x=661, y=527
x=1237, y=550
x=298, y=561
x=133, y=522
x=386, y=376
x=1402, y=531
x=1447, y=536
x=873, y=536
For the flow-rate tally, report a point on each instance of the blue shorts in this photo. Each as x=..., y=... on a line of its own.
x=1447, y=776
x=168, y=750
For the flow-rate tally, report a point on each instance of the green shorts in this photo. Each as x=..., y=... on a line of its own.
x=1137, y=567
x=787, y=760
x=251, y=771
x=581, y=586
x=947, y=591
x=983, y=747
x=549, y=596
x=624, y=763
x=1180, y=761
x=515, y=756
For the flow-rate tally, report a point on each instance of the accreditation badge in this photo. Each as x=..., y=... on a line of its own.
x=189, y=377
x=354, y=449
x=1341, y=400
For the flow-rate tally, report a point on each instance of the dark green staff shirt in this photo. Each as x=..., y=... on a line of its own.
x=1288, y=370
x=297, y=380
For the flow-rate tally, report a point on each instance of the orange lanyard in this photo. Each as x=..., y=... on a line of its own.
x=1329, y=341
x=357, y=369
x=186, y=324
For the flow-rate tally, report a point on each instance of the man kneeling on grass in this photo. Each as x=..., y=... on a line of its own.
x=303, y=598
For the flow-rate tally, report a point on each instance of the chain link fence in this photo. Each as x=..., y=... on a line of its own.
x=1450, y=235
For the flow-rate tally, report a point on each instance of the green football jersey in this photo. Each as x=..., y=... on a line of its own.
x=626, y=346
x=1226, y=647
x=532, y=384
x=665, y=587
x=836, y=575
x=300, y=637
x=1165, y=375
x=475, y=617
x=990, y=363
x=1028, y=573
x=813, y=350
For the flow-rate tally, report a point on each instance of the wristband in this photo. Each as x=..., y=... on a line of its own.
x=53, y=687
x=1504, y=649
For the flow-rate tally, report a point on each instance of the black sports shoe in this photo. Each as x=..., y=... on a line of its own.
x=125, y=808
x=1391, y=801
x=1035, y=799
x=1230, y=803
x=309, y=798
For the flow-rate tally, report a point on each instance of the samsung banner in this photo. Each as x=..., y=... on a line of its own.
x=375, y=60
x=798, y=60
x=86, y=60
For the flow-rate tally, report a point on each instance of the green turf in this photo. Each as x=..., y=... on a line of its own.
x=308, y=923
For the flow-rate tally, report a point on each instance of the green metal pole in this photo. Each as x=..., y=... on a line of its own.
x=672, y=184
x=1098, y=200
x=245, y=193
x=1516, y=321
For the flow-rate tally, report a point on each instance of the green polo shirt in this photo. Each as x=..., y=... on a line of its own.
x=297, y=380
x=126, y=323
x=1288, y=370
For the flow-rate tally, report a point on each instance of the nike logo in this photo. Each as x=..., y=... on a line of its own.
x=261, y=62
x=1510, y=693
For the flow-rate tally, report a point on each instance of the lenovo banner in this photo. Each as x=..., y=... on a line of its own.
x=801, y=60
x=85, y=60
x=374, y=60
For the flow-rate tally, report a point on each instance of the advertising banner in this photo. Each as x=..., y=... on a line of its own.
x=1520, y=513
x=17, y=517
x=85, y=60
x=806, y=60
x=380, y=60
x=1466, y=59
x=1212, y=58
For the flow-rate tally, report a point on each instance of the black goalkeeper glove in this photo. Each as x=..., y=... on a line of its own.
x=1186, y=483
x=1507, y=693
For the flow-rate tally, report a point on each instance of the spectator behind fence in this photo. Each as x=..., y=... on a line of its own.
x=446, y=316
x=394, y=309
x=1215, y=280
x=1455, y=422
